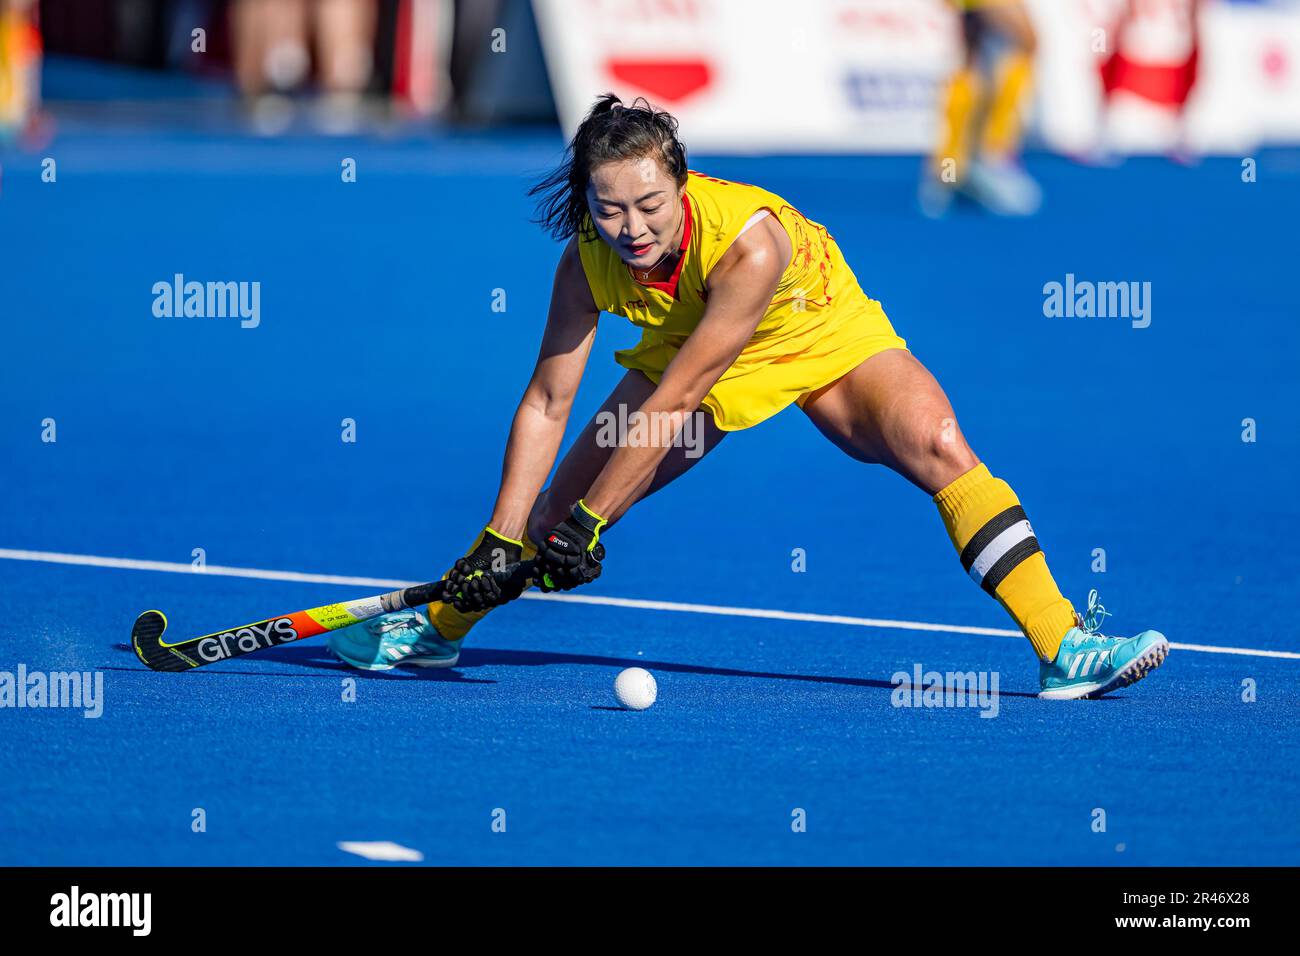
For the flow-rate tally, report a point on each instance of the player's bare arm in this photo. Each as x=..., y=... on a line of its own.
x=539, y=422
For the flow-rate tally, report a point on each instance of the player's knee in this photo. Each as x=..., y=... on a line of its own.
x=948, y=449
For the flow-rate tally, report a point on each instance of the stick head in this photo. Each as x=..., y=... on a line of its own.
x=146, y=638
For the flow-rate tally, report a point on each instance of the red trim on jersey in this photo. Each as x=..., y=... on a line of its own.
x=715, y=179
x=670, y=285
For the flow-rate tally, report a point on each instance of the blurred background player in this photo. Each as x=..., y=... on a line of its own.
x=20, y=67
x=1148, y=72
x=273, y=55
x=978, y=153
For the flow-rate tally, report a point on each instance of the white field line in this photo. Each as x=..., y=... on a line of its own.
x=385, y=850
x=179, y=567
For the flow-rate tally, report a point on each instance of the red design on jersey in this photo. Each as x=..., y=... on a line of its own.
x=724, y=182
x=811, y=257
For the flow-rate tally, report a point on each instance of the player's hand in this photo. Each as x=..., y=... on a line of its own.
x=570, y=555
x=476, y=581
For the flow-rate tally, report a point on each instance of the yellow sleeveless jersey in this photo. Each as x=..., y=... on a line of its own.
x=818, y=326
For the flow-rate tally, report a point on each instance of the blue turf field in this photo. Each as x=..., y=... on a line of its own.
x=176, y=434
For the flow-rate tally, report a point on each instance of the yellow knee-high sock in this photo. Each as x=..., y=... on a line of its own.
x=1002, y=126
x=453, y=624
x=998, y=549
x=959, y=106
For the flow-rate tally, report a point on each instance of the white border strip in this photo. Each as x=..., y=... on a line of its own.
x=133, y=564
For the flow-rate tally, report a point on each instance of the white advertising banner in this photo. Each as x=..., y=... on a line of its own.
x=760, y=75
x=866, y=75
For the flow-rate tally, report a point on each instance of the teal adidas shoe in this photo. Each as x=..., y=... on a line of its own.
x=401, y=637
x=1090, y=664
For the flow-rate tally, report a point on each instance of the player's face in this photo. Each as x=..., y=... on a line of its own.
x=636, y=207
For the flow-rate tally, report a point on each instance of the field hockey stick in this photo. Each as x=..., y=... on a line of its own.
x=158, y=655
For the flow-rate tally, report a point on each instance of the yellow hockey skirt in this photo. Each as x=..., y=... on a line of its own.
x=779, y=366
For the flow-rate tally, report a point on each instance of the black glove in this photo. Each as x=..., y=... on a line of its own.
x=472, y=584
x=571, y=554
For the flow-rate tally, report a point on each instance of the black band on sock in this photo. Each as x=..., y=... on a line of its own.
x=992, y=528
x=1008, y=562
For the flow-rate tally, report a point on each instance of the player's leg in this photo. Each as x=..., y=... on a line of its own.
x=270, y=45
x=891, y=411
x=345, y=36
x=960, y=105
x=578, y=470
x=409, y=637
x=587, y=456
x=1011, y=19
x=996, y=178
x=1002, y=128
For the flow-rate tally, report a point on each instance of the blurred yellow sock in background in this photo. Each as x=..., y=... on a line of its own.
x=1003, y=126
x=960, y=101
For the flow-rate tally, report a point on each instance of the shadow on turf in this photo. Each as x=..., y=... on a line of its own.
x=317, y=657
x=486, y=657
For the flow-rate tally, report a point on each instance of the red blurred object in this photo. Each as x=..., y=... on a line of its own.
x=669, y=81
x=1145, y=68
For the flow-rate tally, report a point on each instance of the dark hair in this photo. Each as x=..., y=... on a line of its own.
x=611, y=132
